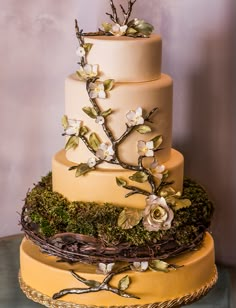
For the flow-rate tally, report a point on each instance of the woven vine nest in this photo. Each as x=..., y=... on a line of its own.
x=88, y=232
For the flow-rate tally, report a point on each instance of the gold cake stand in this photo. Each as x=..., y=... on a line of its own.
x=173, y=303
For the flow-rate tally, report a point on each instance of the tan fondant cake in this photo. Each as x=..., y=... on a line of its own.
x=116, y=211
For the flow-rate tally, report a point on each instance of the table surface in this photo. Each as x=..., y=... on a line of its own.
x=11, y=295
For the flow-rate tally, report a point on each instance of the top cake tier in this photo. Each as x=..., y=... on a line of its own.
x=126, y=59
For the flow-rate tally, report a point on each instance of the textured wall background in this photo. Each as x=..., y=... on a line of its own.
x=37, y=47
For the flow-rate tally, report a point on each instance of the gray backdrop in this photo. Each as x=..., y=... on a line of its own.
x=37, y=51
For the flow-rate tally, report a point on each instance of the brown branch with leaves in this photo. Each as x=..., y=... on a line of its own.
x=96, y=286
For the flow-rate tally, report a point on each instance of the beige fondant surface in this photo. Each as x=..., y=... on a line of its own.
x=124, y=97
x=100, y=185
x=126, y=59
x=46, y=275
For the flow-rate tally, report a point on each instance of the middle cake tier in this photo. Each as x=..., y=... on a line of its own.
x=122, y=99
x=100, y=185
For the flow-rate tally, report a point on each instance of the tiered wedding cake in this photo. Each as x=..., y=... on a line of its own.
x=129, y=230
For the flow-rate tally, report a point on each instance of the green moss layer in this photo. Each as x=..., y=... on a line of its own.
x=50, y=213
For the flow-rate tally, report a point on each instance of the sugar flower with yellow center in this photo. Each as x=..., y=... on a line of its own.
x=87, y=71
x=146, y=148
x=73, y=127
x=118, y=30
x=157, y=214
x=135, y=117
x=156, y=169
x=105, y=152
x=97, y=90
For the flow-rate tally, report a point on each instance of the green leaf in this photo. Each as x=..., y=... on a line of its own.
x=139, y=176
x=79, y=75
x=167, y=191
x=142, y=27
x=120, y=182
x=91, y=283
x=144, y=129
x=108, y=84
x=171, y=200
x=91, y=112
x=106, y=26
x=165, y=174
x=174, y=198
x=106, y=113
x=73, y=168
x=82, y=169
x=94, y=141
x=124, y=283
x=65, y=122
x=182, y=203
x=129, y=218
x=87, y=47
x=83, y=130
x=158, y=265
x=72, y=143
x=157, y=141
x=131, y=31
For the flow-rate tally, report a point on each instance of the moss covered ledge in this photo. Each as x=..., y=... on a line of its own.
x=48, y=214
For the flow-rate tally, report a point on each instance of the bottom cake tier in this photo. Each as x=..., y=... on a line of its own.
x=42, y=276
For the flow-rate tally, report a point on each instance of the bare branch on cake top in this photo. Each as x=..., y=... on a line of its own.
x=114, y=16
x=127, y=13
x=133, y=28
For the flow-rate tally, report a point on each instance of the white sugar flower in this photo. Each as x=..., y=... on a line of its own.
x=156, y=169
x=73, y=127
x=118, y=30
x=88, y=71
x=105, y=152
x=97, y=90
x=80, y=51
x=145, y=148
x=135, y=117
x=157, y=214
x=105, y=268
x=140, y=266
x=100, y=120
x=91, y=162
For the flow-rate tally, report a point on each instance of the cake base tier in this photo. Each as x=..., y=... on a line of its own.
x=41, y=276
x=100, y=185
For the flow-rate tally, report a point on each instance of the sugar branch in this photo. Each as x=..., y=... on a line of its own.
x=96, y=286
